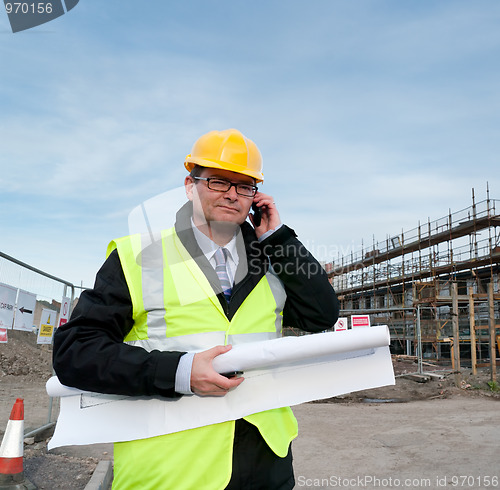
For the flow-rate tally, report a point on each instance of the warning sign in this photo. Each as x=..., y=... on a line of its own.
x=360, y=321
x=46, y=330
x=341, y=324
x=64, y=313
x=7, y=303
x=47, y=325
x=26, y=303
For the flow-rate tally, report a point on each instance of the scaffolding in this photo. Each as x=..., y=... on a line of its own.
x=430, y=269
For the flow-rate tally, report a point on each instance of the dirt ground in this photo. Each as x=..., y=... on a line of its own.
x=446, y=427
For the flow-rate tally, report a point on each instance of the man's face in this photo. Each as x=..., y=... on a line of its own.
x=215, y=206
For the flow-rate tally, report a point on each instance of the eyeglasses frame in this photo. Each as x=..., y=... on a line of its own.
x=231, y=184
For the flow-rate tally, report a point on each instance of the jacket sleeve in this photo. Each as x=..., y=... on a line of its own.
x=311, y=304
x=89, y=352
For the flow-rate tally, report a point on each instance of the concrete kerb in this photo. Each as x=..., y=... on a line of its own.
x=102, y=476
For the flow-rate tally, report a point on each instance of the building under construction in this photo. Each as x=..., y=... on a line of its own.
x=436, y=285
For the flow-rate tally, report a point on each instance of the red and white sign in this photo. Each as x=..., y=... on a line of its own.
x=341, y=325
x=64, y=313
x=360, y=321
x=3, y=335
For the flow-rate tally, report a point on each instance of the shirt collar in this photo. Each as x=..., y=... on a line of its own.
x=208, y=247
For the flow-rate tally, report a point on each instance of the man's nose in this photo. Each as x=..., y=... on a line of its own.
x=231, y=193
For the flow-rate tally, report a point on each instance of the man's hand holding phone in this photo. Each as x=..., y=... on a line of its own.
x=269, y=216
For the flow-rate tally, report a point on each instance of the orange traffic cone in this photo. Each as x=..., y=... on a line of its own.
x=11, y=451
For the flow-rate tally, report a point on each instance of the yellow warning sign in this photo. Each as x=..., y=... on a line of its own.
x=46, y=330
x=47, y=326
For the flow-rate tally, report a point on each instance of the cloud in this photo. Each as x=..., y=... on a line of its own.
x=369, y=119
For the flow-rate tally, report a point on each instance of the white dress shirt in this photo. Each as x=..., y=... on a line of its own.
x=208, y=247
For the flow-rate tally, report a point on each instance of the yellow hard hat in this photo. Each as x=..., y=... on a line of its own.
x=229, y=150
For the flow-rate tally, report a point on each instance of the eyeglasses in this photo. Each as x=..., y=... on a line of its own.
x=215, y=184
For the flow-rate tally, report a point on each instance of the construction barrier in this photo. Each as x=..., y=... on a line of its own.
x=34, y=303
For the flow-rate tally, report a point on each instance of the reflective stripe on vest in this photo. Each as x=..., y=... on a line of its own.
x=163, y=278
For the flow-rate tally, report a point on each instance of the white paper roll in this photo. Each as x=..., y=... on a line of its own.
x=256, y=355
x=300, y=369
x=55, y=388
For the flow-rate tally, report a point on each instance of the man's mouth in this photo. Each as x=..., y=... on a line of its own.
x=230, y=208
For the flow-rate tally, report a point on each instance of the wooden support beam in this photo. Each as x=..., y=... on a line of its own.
x=484, y=296
x=492, y=325
x=454, y=321
x=472, y=326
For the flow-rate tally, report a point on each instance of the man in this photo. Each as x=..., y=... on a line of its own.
x=164, y=306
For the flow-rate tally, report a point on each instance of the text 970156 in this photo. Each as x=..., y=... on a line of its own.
x=28, y=8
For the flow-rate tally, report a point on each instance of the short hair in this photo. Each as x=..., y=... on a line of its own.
x=196, y=171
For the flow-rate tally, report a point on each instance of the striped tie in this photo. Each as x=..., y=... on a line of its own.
x=220, y=269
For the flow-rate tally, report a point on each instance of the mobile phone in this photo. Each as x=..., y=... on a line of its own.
x=232, y=374
x=257, y=215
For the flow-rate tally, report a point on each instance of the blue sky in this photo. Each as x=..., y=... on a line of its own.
x=370, y=115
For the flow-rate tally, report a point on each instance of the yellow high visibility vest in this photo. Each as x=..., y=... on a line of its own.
x=176, y=308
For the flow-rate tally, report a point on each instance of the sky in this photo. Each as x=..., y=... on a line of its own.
x=371, y=116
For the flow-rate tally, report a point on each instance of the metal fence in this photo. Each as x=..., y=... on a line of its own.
x=22, y=346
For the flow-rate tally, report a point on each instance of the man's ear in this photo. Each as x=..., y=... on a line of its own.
x=188, y=185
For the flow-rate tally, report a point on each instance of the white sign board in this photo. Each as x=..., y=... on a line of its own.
x=7, y=304
x=341, y=325
x=26, y=303
x=47, y=325
x=64, y=313
x=360, y=321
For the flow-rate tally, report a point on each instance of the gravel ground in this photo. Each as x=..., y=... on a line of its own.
x=25, y=367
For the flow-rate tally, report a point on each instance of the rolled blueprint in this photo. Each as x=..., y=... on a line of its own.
x=286, y=350
x=282, y=351
x=55, y=388
x=278, y=373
